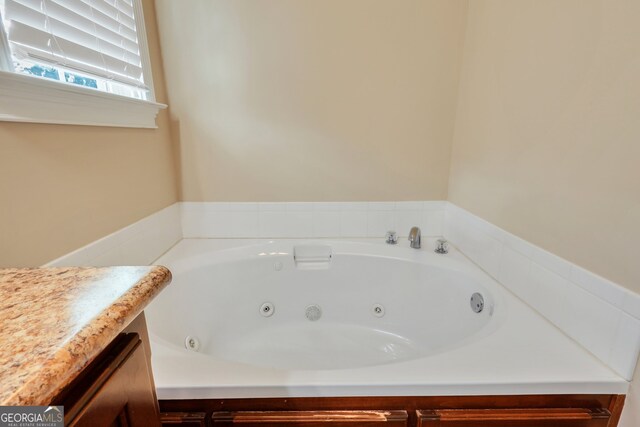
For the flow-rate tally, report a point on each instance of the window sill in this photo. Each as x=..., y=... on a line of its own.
x=37, y=100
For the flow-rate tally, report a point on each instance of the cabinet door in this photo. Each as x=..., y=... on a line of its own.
x=310, y=418
x=535, y=417
x=121, y=393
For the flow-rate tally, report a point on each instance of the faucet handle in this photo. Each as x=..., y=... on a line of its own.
x=391, y=237
x=442, y=247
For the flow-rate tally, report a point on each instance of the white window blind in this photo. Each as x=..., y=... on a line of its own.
x=87, y=42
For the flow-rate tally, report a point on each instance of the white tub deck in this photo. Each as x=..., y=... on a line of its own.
x=524, y=355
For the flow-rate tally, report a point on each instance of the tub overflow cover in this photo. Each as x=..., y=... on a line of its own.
x=477, y=302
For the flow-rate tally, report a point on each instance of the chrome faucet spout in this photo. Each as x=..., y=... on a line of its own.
x=414, y=238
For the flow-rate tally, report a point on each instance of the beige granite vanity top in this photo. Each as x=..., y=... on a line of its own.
x=54, y=321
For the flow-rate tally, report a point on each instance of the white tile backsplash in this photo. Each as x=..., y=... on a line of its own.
x=242, y=224
x=548, y=294
x=490, y=255
x=353, y=206
x=272, y=207
x=233, y=207
x=590, y=321
x=75, y=258
x=310, y=219
x=353, y=223
x=597, y=313
x=381, y=206
x=272, y=223
x=597, y=285
x=298, y=224
x=631, y=304
x=551, y=262
x=137, y=244
x=626, y=346
x=298, y=206
x=136, y=250
x=477, y=239
x=518, y=244
x=433, y=221
x=514, y=272
x=326, y=223
x=405, y=219
x=435, y=205
x=113, y=256
x=328, y=206
x=409, y=206
x=379, y=222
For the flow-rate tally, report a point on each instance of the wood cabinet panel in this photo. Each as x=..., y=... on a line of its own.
x=116, y=390
x=590, y=410
x=533, y=417
x=310, y=418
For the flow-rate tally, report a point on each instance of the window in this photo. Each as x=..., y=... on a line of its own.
x=75, y=61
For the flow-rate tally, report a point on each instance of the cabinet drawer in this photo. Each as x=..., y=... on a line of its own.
x=534, y=417
x=183, y=419
x=311, y=418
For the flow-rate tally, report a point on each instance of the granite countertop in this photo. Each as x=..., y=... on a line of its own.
x=54, y=321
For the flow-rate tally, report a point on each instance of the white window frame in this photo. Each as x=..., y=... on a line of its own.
x=25, y=98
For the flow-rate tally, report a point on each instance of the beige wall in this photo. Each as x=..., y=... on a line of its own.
x=547, y=136
x=289, y=100
x=62, y=187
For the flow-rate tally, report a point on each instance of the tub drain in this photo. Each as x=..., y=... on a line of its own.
x=313, y=312
x=377, y=310
x=192, y=343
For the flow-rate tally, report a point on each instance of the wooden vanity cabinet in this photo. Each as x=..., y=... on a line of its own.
x=116, y=389
x=411, y=411
x=533, y=417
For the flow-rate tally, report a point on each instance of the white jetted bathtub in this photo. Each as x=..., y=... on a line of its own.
x=337, y=318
